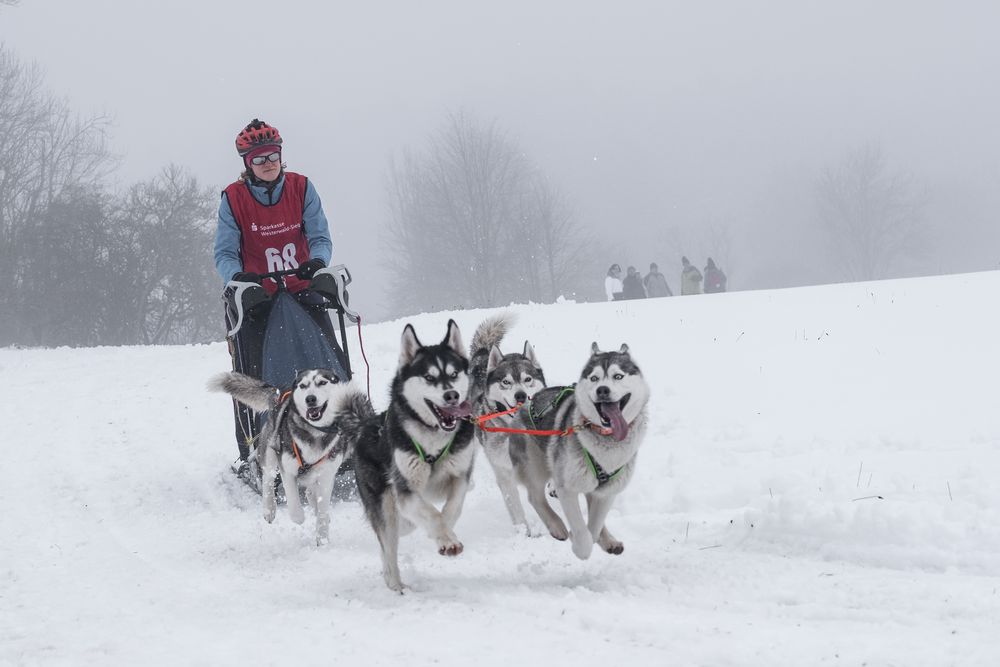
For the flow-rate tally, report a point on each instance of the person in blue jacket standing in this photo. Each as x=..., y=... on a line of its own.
x=269, y=220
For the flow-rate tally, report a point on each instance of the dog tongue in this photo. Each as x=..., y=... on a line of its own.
x=613, y=413
x=463, y=409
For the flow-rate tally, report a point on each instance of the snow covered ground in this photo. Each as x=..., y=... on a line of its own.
x=820, y=486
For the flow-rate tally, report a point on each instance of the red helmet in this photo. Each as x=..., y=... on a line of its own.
x=257, y=133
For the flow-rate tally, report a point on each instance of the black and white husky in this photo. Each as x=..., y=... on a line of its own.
x=605, y=414
x=306, y=437
x=418, y=452
x=501, y=382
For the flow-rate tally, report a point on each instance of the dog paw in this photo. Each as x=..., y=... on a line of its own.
x=269, y=513
x=296, y=515
x=452, y=549
x=526, y=530
x=613, y=547
x=322, y=540
x=583, y=546
x=393, y=583
x=560, y=534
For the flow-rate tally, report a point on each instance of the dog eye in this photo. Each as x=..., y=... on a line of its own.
x=428, y=377
x=454, y=374
x=505, y=382
x=321, y=383
x=619, y=376
x=527, y=379
x=593, y=378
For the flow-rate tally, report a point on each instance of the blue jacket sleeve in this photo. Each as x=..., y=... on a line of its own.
x=227, y=243
x=316, y=226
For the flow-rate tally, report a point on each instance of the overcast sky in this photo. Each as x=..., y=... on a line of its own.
x=646, y=115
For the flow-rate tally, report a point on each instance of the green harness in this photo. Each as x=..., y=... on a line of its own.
x=431, y=460
x=600, y=473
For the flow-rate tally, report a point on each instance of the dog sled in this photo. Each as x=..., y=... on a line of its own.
x=293, y=340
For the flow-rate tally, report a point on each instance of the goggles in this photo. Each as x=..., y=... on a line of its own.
x=261, y=159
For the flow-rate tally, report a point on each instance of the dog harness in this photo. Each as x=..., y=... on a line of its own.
x=602, y=476
x=431, y=460
x=306, y=467
x=303, y=466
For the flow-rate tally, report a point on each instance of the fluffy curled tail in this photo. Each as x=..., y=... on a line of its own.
x=354, y=409
x=254, y=393
x=488, y=334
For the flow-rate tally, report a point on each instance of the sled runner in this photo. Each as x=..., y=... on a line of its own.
x=298, y=335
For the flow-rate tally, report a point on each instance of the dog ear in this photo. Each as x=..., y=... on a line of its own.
x=409, y=347
x=594, y=349
x=453, y=338
x=529, y=353
x=623, y=349
x=496, y=356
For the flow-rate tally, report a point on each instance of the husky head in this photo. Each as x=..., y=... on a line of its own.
x=511, y=379
x=313, y=392
x=611, y=391
x=435, y=378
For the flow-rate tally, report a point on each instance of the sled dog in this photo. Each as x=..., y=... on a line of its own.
x=607, y=412
x=306, y=437
x=418, y=451
x=501, y=382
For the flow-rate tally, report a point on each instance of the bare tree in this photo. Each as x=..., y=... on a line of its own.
x=873, y=217
x=473, y=224
x=48, y=154
x=163, y=244
x=67, y=271
x=554, y=258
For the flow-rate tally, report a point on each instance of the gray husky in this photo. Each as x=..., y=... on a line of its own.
x=418, y=451
x=604, y=419
x=501, y=382
x=307, y=436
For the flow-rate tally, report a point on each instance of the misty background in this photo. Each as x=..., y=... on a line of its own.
x=794, y=142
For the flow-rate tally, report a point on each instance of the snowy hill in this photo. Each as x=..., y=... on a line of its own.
x=819, y=486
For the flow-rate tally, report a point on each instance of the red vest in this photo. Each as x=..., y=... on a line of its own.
x=272, y=238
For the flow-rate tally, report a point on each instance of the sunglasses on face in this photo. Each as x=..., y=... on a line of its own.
x=261, y=159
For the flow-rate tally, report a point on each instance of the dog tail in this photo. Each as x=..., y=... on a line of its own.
x=489, y=333
x=356, y=408
x=254, y=393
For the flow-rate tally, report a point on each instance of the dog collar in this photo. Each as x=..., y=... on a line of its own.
x=600, y=430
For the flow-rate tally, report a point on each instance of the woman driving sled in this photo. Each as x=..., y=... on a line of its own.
x=269, y=220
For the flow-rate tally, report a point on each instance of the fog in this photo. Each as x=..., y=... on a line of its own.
x=664, y=124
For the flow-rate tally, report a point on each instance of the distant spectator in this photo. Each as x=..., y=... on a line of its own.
x=613, y=283
x=715, y=279
x=656, y=283
x=690, y=278
x=632, y=286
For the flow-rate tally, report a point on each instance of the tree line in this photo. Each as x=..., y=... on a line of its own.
x=472, y=222
x=84, y=265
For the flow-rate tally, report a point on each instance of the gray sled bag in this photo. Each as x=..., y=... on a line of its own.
x=293, y=342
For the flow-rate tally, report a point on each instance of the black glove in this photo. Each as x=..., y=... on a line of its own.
x=309, y=267
x=247, y=277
